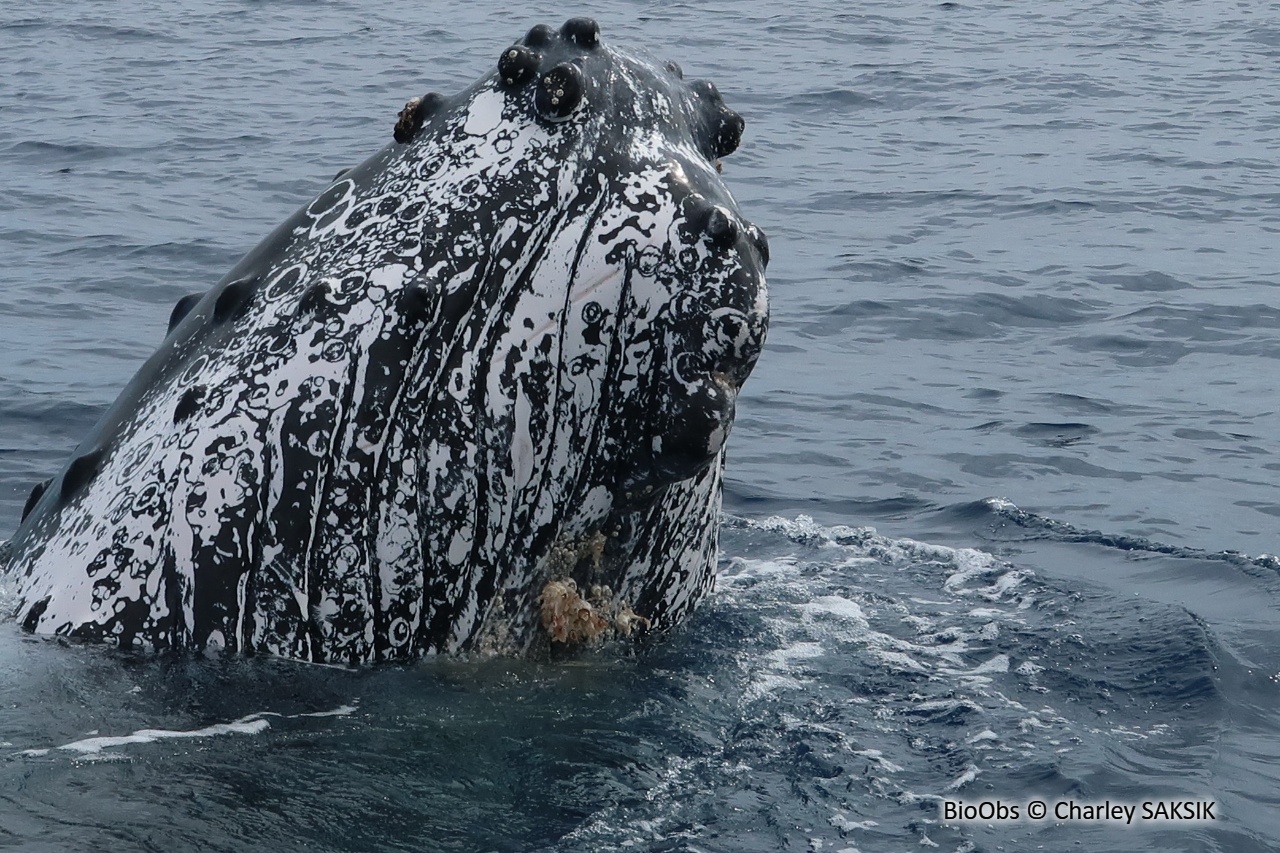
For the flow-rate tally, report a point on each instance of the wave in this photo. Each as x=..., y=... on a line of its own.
x=1033, y=526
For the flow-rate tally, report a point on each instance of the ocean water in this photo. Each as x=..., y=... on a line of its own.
x=1001, y=494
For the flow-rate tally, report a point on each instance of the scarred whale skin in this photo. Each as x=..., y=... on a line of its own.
x=499, y=356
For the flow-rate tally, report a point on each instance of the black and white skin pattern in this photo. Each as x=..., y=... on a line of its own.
x=504, y=350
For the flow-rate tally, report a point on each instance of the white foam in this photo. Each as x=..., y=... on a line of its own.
x=842, y=823
x=999, y=663
x=340, y=711
x=898, y=661
x=878, y=757
x=855, y=632
x=743, y=572
x=834, y=605
x=797, y=651
x=970, y=565
x=778, y=674
x=971, y=772
x=838, y=620
x=244, y=726
x=252, y=724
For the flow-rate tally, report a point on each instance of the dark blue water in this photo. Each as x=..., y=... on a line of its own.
x=1026, y=322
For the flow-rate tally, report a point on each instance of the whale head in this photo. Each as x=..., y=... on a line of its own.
x=474, y=395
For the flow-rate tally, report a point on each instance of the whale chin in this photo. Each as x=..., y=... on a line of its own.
x=473, y=397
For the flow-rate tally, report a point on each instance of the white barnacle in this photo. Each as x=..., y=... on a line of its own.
x=566, y=616
x=627, y=620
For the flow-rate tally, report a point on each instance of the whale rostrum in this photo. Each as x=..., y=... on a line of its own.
x=473, y=397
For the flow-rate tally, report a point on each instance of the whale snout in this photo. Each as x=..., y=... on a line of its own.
x=734, y=336
x=718, y=324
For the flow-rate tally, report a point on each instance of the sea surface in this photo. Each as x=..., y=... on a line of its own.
x=1001, y=491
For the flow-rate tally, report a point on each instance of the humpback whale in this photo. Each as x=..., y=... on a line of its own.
x=473, y=397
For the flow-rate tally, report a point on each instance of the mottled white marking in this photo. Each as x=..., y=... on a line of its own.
x=362, y=474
